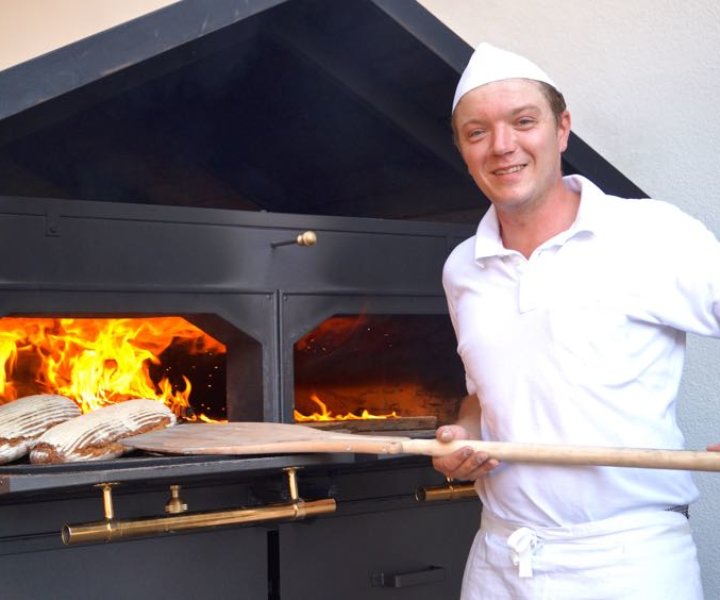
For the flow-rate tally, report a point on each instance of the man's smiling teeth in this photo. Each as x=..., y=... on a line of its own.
x=509, y=170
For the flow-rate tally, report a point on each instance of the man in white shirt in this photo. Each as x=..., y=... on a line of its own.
x=570, y=309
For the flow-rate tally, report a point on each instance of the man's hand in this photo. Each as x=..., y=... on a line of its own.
x=464, y=464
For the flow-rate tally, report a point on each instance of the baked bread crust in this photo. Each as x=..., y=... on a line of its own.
x=24, y=420
x=95, y=435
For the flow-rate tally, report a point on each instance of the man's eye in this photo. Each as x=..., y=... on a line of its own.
x=526, y=122
x=475, y=134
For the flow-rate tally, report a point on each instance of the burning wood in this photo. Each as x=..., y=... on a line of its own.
x=96, y=362
x=327, y=415
x=365, y=421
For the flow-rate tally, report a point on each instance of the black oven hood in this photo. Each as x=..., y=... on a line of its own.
x=297, y=106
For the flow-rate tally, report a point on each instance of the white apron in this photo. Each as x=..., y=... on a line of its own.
x=641, y=556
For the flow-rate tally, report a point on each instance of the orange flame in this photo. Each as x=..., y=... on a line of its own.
x=95, y=361
x=326, y=415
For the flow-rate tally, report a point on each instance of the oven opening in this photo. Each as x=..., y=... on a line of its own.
x=97, y=361
x=378, y=372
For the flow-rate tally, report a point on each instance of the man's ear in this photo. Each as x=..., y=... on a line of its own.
x=564, y=130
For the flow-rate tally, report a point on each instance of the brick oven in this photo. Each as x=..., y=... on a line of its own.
x=280, y=176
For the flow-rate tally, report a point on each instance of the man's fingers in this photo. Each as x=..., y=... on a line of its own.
x=448, y=433
x=465, y=464
x=451, y=463
x=445, y=435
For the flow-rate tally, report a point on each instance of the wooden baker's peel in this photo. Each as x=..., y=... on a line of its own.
x=281, y=438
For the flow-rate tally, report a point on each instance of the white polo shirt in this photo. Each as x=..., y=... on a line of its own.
x=584, y=344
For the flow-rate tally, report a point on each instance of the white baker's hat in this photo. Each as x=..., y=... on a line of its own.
x=489, y=63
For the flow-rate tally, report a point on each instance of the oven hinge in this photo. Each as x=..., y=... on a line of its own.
x=52, y=223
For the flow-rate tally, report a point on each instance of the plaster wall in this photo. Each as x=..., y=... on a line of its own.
x=30, y=28
x=641, y=79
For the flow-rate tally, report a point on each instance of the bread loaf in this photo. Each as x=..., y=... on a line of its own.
x=95, y=435
x=24, y=420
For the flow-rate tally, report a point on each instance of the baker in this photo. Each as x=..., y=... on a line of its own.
x=571, y=309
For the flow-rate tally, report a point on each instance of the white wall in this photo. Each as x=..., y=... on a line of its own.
x=29, y=28
x=642, y=80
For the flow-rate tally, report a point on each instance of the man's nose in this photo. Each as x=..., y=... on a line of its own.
x=503, y=139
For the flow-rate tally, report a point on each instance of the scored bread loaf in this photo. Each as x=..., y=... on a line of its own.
x=95, y=435
x=24, y=420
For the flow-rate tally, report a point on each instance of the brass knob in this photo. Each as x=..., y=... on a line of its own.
x=307, y=239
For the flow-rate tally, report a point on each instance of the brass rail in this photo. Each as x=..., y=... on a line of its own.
x=451, y=491
x=110, y=529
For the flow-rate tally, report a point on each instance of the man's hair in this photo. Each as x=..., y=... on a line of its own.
x=555, y=99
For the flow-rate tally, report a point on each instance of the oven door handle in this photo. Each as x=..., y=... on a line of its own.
x=405, y=579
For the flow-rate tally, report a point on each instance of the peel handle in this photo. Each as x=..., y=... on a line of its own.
x=548, y=454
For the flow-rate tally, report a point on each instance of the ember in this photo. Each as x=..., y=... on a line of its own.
x=376, y=366
x=98, y=361
x=327, y=415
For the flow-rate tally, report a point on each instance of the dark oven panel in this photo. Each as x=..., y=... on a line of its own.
x=348, y=319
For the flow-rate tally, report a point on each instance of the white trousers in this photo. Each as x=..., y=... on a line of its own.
x=641, y=556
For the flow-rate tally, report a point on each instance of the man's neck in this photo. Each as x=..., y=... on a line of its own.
x=525, y=231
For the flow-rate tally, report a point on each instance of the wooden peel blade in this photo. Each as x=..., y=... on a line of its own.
x=282, y=438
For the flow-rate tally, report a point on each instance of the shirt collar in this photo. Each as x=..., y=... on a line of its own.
x=488, y=242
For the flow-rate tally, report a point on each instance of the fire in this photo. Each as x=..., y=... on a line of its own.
x=95, y=361
x=326, y=415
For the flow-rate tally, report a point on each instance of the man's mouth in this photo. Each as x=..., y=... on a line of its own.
x=509, y=170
